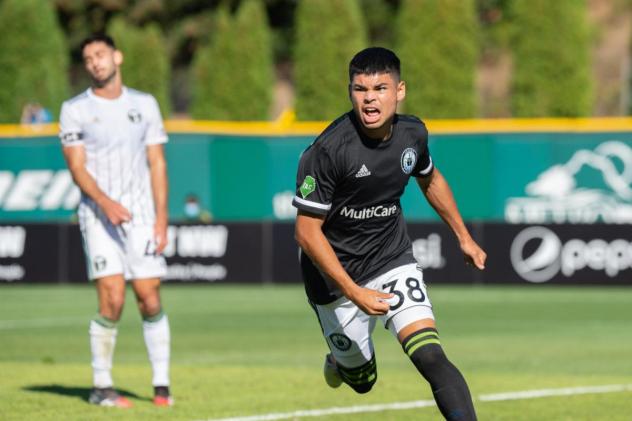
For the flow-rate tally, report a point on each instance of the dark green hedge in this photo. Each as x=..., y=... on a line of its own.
x=33, y=58
x=438, y=43
x=551, y=53
x=146, y=64
x=233, y=76
x=328, y=34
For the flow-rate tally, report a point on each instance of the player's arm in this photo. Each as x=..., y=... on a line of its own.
x=439, y=195
x=312, y=240
x=75, y=157
x=159, y=187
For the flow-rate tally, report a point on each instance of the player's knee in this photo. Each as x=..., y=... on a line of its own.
x=149, y=307
x=360, y=379
x=112, y=308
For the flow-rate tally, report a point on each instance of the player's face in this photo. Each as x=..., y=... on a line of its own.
x=374, y=98
x=101, y=62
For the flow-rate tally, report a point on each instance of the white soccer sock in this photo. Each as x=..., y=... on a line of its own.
x=158, y=339
x=102, y=342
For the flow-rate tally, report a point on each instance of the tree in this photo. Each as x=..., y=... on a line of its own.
x=33, y=58
x=438, y=44
x=146, y=64
x=328, y=34
x=233, y=77
x=551, y=59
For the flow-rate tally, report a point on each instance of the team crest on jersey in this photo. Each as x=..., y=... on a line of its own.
x=408, y=160
x=134, y=116
x=340, y=341
x=99, y=263
x=308, y=186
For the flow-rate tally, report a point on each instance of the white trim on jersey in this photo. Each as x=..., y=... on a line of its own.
x=428, y=168
x=312, y=204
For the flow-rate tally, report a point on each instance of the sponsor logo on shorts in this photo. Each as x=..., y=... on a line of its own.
x=340, y=341
x=99, y=263
x=378, y=211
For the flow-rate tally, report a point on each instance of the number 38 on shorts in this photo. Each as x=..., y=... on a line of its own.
x=407, y=287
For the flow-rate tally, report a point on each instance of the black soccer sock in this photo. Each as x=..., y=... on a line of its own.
x=448, y=385
x=361, y=379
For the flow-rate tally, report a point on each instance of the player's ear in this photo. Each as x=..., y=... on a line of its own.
x=401, y=90
x=349, y=91
x=118, y=57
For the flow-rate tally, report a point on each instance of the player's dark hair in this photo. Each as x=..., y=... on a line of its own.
x=100, y=37
x=374, y=60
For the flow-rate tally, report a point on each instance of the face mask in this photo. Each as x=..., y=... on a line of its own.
x=192, y=210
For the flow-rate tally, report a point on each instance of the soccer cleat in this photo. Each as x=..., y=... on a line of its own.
x=108, y=397
x=330, y=371
x=162, y=397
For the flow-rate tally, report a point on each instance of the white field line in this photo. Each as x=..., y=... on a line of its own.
x=493, y=397
x=42, y=322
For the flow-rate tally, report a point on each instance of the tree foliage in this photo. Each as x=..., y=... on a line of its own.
x=438, y=44
x=33, y=58
x=328, y=34
x=551, y=59
x=233, y=76
x=146, y=64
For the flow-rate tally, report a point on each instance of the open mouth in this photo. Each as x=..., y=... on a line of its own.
x=371, y=114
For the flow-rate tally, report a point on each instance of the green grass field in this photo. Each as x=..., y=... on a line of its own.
x=252, y=350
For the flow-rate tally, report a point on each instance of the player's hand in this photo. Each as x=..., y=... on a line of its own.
x=114, y=211
x=473, y=254
x=370, y=301
x=160, y=234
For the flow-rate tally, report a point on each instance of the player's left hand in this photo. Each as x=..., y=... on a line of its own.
x=473, y=254
x=160, y=234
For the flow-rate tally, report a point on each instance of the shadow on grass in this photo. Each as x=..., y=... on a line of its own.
x=82, y=393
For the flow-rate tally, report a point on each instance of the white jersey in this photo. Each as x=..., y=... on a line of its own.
x=115, y=134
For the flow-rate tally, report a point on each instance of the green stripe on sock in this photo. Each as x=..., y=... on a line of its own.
x=414, y=340
x=104, y=321
x=422, y=343
x=154, y=318
x=358, y=375
x=362, y=380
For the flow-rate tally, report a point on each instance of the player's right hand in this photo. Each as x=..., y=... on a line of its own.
x=115, y=212
x=370, y=301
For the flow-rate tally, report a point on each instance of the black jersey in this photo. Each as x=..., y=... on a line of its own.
x=357, y=182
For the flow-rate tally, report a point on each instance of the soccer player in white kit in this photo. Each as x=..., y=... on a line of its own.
x=112, y=139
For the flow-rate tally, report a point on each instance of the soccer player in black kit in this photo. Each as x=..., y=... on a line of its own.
x=356, y=256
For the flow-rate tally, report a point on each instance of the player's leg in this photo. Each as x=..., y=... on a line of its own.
x=157, y=336
x=103, y=331
x=147, y=268
x=105, y=268
x=414, y=326
x=347, y=331
x=420, y=341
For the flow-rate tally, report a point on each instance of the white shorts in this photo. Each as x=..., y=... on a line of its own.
x=347, y=329
x=130, y=251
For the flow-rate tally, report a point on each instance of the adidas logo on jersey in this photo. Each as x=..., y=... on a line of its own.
x=364, y=172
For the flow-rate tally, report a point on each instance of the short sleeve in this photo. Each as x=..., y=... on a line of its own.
x=155, y=133
x=424, y=166
x=315, y=181
x=70, y=131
